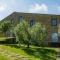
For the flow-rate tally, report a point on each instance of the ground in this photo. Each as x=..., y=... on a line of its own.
x=14, y=52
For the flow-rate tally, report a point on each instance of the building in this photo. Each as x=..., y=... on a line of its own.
x=51, y=22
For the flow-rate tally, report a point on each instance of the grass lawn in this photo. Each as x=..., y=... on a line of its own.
x=32, y=53
x=2, y=57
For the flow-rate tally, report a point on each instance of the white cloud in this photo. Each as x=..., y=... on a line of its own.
x=58, y=8
x=2, y=7
x=38, y=8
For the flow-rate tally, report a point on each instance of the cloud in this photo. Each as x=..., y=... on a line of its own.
x=58, y=8
x=2, y=7
x=38, y=8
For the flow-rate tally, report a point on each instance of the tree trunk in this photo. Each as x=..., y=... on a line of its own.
x=19, y=43
x=28, y=45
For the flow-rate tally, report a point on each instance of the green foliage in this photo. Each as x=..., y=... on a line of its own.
x=26, y=34
x=5, y=26
x=20, y=33
x=38, y=33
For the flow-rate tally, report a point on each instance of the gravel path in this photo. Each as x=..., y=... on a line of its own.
x=12, y=56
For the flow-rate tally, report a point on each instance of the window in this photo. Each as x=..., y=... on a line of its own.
x=54, y=37
x=32, y=22
x=54, y=22
x=21, y=18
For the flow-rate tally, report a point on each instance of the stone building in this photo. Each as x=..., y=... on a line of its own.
x=51, y=22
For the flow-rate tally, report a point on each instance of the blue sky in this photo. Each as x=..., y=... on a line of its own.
x=30, y=6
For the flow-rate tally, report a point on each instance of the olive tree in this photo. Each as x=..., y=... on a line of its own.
x=22, y=33
x=26, y=34
x=38, y=33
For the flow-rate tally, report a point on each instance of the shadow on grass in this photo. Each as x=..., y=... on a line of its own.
x=41, y=53
x=44, y=54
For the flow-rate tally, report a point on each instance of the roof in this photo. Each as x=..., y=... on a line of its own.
x=31, y=14
x=36, y=13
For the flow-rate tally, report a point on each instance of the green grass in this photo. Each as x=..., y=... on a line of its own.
x=32, y=53
x=2, y=57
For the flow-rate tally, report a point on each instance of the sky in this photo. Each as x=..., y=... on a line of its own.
x=29, y=6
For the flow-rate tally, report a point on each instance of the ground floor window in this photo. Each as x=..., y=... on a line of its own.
x=54, y=37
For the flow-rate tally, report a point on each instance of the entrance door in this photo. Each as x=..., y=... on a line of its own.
x=54, y=39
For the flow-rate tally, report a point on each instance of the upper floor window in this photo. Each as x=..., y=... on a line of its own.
x=54, y=21
x=21, y=18
x=32, y=22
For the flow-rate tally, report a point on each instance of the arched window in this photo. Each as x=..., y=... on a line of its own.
x=54, y=37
